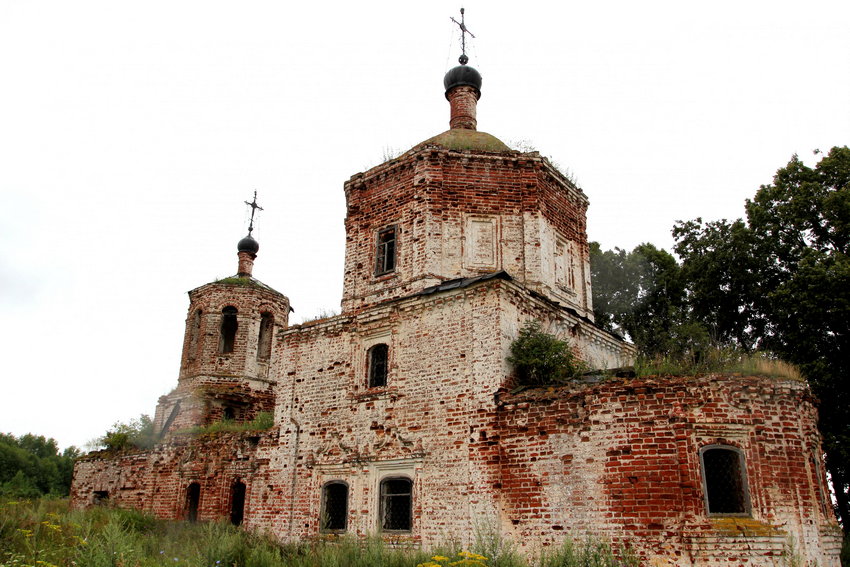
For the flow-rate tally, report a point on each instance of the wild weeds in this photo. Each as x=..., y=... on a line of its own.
x=263, y=421
x=589, y=553
x=720, y=361
x=45, y=533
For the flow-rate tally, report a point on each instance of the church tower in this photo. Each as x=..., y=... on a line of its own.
x=460, y=205
x=228, y=348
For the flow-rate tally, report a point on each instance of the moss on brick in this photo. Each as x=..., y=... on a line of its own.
x=747, y=527
x=461, y=139
x=236, y=280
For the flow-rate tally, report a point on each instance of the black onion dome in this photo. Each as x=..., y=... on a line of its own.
x=463, y=76
x=248, y=244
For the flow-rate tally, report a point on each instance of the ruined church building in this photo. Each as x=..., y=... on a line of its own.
x=399, y=417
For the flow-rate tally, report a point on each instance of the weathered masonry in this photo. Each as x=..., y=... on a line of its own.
x=397, y=417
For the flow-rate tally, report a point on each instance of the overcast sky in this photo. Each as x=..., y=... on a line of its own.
x=132, y=132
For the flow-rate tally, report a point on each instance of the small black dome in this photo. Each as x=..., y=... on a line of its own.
x=248, y=244
x=463, y=75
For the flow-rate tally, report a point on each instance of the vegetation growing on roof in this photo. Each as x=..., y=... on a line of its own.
x=263, y=421
x=236, y=280
x=135, y=434
x=718, y=361
x=459, y=139
x=540, y=358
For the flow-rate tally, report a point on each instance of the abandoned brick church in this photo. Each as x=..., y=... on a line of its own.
x=398, y=417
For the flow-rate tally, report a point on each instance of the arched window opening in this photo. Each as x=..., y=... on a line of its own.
x=229, y=413
x=237, y=503
x=193, y=499
x=264, y=346
x=229, y=324
x=334, y=507
x=396, y=507
x=378, y=358
x=194, y=334
x=724, y=480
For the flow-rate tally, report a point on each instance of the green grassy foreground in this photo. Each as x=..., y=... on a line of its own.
x=46, y=533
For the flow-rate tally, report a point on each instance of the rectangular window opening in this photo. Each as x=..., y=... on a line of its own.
x=334, y=507
x=397, y=504
x=725, y=481
x=385, y=254
x=378, y=360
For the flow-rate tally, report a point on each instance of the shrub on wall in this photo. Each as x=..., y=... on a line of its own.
x=540, y=358
x=136, y=434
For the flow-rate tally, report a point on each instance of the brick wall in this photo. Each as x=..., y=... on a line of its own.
x=447, y=206
x=201, y=353
x=616, y=459
x=620, y=460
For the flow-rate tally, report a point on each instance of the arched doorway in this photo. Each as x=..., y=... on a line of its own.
x=193, y=499
x=237, y=503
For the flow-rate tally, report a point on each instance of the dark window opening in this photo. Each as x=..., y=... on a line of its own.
x=229, y=324
x=237, y=503
x=378, y=362
x=725, y=481
x=396, y=504
x=101, y=497
x=386, y=251
x=194, y=334
x=229, y=413
x=334, y=507
x=264, y=346
x=193, y=499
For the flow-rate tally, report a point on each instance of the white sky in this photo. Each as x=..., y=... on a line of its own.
x=131, y=133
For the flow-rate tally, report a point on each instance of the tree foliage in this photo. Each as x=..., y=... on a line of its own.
x=540, y=358
x=641, y=294
x=724, y=280
x=32, y=466
x=135, y=434
x=778, y=281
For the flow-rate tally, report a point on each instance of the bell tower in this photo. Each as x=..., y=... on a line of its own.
x=461, y=205
x=228, y=348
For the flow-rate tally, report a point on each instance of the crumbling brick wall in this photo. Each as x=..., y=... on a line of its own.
x=461, y=214
x=156, y=480
x=620, y=459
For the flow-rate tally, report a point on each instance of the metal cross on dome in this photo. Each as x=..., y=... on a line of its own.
x=463, y=59
x=254, y=206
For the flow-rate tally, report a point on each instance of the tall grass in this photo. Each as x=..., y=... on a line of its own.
x=45, y=533
x=589, y=553
x=720, y=361
x=263, y=421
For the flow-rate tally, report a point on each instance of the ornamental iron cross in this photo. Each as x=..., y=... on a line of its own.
x=463, y=31
x=254, y=206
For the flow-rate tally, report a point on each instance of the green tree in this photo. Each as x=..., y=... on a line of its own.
x=641, y=294
x=801, y=225
x=135, y=434
x=724, y=276
x=31, y=465
x=615, y=275
x=781, y=281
